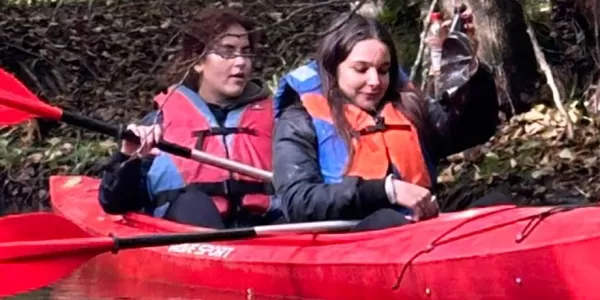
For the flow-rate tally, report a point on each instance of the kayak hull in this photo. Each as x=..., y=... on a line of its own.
x=500, y=252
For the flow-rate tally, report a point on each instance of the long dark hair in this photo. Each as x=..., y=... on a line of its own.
x=344, y=33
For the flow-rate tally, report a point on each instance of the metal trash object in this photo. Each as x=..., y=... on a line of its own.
x=458, y=63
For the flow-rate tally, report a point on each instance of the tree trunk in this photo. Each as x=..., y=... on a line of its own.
x=505, y=46
x=589, y=12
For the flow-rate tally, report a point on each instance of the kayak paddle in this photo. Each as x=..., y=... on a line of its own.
x=38, y=249
x=18, y=104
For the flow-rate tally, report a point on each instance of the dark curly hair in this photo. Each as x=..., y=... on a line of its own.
x=204, y=29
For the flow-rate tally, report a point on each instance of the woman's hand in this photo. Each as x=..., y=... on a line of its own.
x=417, y=198
x=468, y=27
x=148, y=135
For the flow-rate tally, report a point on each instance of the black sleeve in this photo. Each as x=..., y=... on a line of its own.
x=298, y=180
x=472, y=122
x=124, y=186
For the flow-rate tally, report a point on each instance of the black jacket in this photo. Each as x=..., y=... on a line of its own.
x=124, y=187
x=297, y=177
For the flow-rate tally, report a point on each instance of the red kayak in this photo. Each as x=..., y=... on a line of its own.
x=502, y=252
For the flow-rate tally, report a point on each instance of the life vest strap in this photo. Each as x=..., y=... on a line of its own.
x=222, y=131
x=227, y=188
x=231, y=187
x=201, y=134
x=380, y=126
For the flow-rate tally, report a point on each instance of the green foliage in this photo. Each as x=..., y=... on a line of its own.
x=403, y=19
x=27, y=161
x=538, y=10
x=56, y=154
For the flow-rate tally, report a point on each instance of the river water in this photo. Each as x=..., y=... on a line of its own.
x=86, y=283
x=79, y=287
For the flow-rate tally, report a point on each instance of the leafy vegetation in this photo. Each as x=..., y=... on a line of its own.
x=531, y=159
x=103, y=59
x=26, y=165
x=107, y=60
x=404, y=19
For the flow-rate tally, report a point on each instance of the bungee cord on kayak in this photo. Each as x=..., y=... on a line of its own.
x=533, y=221
x=438, y=240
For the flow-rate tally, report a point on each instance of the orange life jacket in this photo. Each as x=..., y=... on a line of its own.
x=246, y=137
x=389, y=139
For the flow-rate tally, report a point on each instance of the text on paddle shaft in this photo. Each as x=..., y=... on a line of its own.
x=202, y=250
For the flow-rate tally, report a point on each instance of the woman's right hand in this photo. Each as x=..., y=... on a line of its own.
x=417, y=198
x=149, y=136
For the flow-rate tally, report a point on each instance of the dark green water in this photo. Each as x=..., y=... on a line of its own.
x=84, y=284
x=81, y=286
x=80, y=291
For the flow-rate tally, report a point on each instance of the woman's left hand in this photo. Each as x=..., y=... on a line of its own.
x=468, y=27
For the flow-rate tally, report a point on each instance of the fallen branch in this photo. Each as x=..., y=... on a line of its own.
x=541, y=60
x=592, y=103
x=415, y=67
x=425, y=80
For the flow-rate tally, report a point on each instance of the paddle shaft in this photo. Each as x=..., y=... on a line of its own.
x=155, y=240
x=47, y=111
x=33, y=258
x=120, y=132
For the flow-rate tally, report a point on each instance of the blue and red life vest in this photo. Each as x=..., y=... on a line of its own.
x=390, y=140
x=246, y=137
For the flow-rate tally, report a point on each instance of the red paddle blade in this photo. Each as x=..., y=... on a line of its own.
x=39, y=249
x=37, y=227
x=18, y=104
x=25, y=276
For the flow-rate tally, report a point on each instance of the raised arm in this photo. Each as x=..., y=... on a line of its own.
x=470, y=118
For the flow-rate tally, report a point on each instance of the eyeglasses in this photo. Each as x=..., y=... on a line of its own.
x=230, y=52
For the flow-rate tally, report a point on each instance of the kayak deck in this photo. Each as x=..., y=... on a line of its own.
x=500, y=252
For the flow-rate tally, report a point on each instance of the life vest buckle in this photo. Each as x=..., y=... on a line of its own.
x=379, y=126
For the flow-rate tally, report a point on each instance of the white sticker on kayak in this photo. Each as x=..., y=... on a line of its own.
x=202, y=250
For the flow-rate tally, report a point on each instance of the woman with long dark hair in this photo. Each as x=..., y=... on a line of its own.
x=351, y=143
